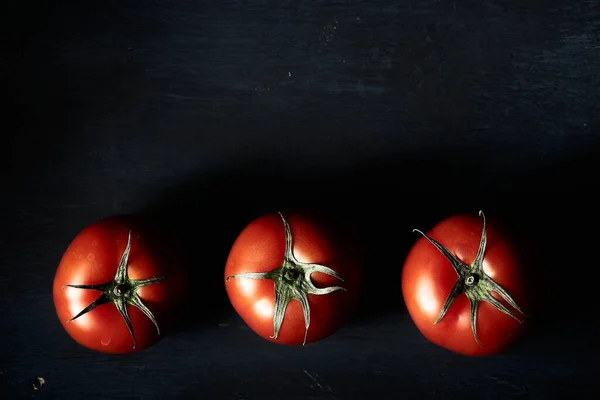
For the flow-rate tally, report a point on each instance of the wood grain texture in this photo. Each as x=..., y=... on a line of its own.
x=388, y=114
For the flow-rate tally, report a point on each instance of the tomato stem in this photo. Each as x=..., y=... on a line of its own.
x=291, y=275
x=120, y=290
x=474, y=282
x=471, y=280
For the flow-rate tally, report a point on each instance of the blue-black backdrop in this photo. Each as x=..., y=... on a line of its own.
x=390, y=115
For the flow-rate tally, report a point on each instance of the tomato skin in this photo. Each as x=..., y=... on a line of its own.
x=260, y=247
x=428, y=278
x=92, y=258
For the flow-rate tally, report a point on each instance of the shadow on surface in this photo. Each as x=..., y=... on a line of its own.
x=555, y=225
x=379, y=202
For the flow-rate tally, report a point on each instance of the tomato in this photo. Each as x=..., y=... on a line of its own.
x=113, y=288
x=464, y=287
x=291, y=279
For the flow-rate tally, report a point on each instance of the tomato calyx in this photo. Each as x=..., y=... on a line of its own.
x=474, y=283
x=121, y=291
x=292, y=280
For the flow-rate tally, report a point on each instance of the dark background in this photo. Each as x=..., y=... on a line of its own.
x=390, y=115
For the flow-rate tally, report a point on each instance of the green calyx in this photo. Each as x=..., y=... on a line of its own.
x=474, y=283
x=121, y=291
x=292, y=280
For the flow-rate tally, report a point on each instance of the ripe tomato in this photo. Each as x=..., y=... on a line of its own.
x=113, y=288
x=463, y=286
x=277, y=259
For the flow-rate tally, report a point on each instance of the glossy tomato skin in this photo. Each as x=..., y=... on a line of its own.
x=260, y=248
x=428, y=278
x=92, y=258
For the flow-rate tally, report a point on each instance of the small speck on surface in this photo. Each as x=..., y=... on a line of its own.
x=38, y=384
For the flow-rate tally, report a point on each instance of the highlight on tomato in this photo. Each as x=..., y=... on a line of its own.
x=464, y=286
x=291, y=278
x=114, y=287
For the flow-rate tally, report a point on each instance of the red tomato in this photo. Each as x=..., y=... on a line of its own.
x=290, y=280
x=478, y=281
x=112, y=290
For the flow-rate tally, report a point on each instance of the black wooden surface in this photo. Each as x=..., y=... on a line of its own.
x=388, y=114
